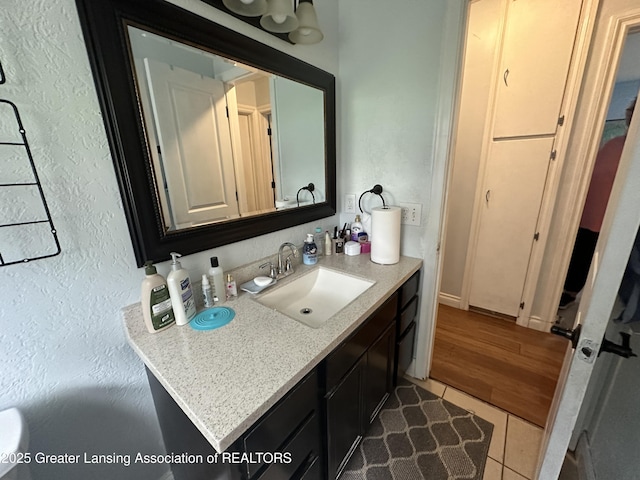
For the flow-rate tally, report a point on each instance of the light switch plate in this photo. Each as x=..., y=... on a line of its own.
x=350, y=203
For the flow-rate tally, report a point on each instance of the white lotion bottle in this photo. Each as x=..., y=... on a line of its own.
x=157, y=311
x=182, y=300
x=207, y=292
x=216, y=276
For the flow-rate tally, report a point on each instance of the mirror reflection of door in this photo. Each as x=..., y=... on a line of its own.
x=192, y=130
x=208, y=121
x=249, y=103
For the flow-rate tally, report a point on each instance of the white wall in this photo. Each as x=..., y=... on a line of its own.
x=398, y=63
x=479, y=54
x=64, y=359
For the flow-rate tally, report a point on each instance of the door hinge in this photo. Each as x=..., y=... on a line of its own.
x=269, y=131
x=273, y=184
x=536, y=237
x=159, y=151
x=561, y=120
x=227, y=110
x=521, y=305
x=553, y=154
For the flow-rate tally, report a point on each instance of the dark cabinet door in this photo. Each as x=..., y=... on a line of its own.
x=378, y=376
x=344, y=419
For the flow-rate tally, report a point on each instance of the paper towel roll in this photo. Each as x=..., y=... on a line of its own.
x=385, y=235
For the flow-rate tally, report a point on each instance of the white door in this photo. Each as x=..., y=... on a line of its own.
x=515, y=177
x=538, y=43
x=193, y=133
x=612, y=252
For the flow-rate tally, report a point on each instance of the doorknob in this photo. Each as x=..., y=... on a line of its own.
x=624, y=350
x=573, y=335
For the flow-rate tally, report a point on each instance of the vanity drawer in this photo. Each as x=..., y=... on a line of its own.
x=305, y=445
x=273, y=430
x=408, y=315
x=404, y=352
x=340, y=361
x=409, y=289
x=313, y=471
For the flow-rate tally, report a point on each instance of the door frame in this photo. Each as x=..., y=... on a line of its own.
x=596, y=111
x=558, y=435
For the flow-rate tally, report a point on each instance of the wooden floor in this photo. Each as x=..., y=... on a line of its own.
x=512, y=367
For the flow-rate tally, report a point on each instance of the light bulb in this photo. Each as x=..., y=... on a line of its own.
x=247, y=2
x=279, y=18
x=305, y=31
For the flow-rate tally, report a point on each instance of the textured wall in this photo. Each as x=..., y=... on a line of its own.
x=63, y=356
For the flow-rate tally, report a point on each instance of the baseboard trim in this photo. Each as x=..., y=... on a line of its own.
x=449, y=300
x=537, y=323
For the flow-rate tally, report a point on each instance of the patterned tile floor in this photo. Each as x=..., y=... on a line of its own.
x=515, y=443
x=420, y=435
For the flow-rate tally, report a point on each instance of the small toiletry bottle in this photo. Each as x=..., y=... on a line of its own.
x=232, y=289
x=156, y=302
x=328, y=244
x=216, y=278
x=184, y=305
x=356, y=229
x=207, y=292
x=309, y=251
x=338, y=244
x=318, y=239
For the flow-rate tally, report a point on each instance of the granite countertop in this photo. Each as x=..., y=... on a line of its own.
x=226, y=379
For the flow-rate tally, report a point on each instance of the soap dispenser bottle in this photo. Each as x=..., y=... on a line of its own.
x=156, y=303
x=216, y=276
x=309, y=251
x=184, y=304
x=356, y=229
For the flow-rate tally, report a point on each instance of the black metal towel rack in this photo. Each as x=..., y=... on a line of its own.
x=18, y=231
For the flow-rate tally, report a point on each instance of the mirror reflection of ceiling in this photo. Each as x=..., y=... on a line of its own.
x=232, y=141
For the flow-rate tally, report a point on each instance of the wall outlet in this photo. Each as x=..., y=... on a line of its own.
x=411, y=213
x=350, y=203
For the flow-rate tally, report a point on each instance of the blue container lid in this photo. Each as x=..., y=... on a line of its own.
x=212, y=318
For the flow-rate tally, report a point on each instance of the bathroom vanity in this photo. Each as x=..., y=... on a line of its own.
x=266, y=397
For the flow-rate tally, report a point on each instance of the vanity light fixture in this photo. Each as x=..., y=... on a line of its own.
x=247, y=8
x=280, y=17
x=308, y=31
x=297, y=18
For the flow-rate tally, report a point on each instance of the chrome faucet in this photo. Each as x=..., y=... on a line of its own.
x=285, y=267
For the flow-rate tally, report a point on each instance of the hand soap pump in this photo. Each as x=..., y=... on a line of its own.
x=309, y=251
x=184, y=304
x=156, y=303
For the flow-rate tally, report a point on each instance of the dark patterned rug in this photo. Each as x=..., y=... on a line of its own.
x=418, y=435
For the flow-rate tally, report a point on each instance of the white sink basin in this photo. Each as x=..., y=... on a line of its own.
x=316, y=296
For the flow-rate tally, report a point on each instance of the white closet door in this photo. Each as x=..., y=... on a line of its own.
x=537, y=48
x=193, y=133
x=514, y=183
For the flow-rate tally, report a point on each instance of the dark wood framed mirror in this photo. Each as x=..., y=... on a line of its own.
x=136, y=141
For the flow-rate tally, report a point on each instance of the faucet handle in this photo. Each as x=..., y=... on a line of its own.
x=273, y=272
x=288, y=267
